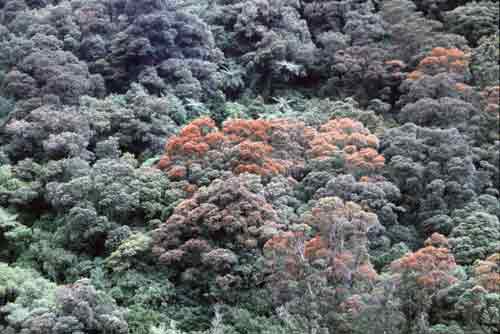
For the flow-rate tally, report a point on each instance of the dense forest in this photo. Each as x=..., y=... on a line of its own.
x=249, y=167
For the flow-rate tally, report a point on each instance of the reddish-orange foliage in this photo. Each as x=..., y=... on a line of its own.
x=341, y=242
x=492, y=94
x=350, y=139
x=366, y=159
x=487, y=273
x=286, y=249
x=256, y=151
x=348, y=267
x=342, y=225
x=372, y=179
x=491, y=97
x=191, y=140
x=253, y=146
x=441, y=60
x=294, y=252
x=288, y=243
x=280, y=243
x=269, y=147
x=432, y=267
x=238, y=130
x=164, y=163
x=177, y=172
x=366, y=272
x=415, y=75
x=316, y=248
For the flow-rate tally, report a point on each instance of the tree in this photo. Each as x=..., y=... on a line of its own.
x=356, y=145
x=475, y=235
x=22, y=291
x=377, y=193
x=47, y=132
x=167, y=44
x=479, y=304
x=343, y=230
x=43, y=68
x=409, y=28
x=381, y=313
x=484, y=67
x=13, y=235
x=434, y=8
x=439, y=60
x=269, y=38
x=474, y=20
x=317, y=111
x=321, y=280
x=11, y=8
x=360, y=71
x=34, y=305
x=135, y=122
x=486, y=273
x=269, y=147
x=240, y=146
x=215, y=237
x=79, y=307
x=435, y=178
x=139, y=121
x=419, y=276
x=442, y=113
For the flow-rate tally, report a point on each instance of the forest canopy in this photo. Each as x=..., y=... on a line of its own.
x=249, y=167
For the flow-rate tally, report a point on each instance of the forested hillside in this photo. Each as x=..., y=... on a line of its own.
x=249, y=167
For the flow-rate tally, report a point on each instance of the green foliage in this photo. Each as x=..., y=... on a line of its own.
x=315, y=112
x=23, y=291
x=163, y=329
x=484, y=66
x=480, y=309
x=102, y=235
x=383, y=313
x=14, y=236
x=435, y=180
x=6, y=106
x=142, y=320
x=46, y=254
x=474, y=20
x=95, y=199
x=444, y=329
x=130, y=249
x=395, y=252
x=12, y=189
x=475, y=236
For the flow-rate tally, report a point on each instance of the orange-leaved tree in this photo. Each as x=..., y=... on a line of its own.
x=430, y=267
x=339, y=241
x=487, y=273
x=268, y=147
x=350, y=140
x=480, y=304
x=441, y=60
x=419, y=276
x=325, y=263
x=264, y=147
